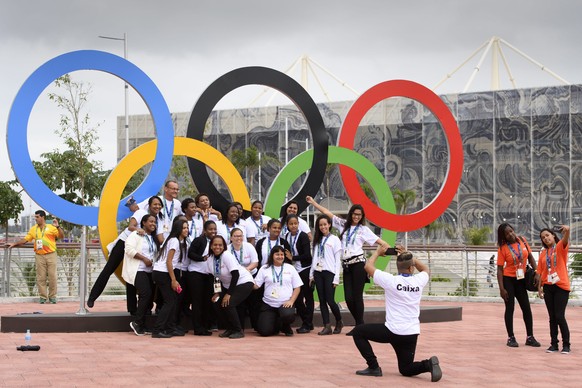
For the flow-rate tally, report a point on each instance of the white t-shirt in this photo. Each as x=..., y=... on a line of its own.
x=227, y=263
x=200, y=266
x=255, y=227
x=279, y=283
x=247, y=256
x=354, y=238
x=195, y=227
x=326, y=256
x=402, y=295
x=266, y=247
x=224, y=230
x=160, y=264
x=149, y=250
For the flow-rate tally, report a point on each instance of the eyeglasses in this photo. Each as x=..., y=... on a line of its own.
x=237, y=236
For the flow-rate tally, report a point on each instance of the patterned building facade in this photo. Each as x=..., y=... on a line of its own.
x=522, y=153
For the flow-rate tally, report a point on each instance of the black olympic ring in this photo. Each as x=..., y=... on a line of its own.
x=257, y=75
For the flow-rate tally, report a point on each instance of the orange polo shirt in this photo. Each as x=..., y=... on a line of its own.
x=558, y=263
x=513, y=259
x=48, y=234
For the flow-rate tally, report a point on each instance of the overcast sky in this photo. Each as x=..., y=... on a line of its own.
x=185, y=45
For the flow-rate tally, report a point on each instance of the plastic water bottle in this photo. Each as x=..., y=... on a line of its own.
x=27, y=337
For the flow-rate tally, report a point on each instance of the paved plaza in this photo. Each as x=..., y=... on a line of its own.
x=472, y=352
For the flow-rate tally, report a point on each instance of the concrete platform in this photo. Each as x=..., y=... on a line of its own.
x=119, y=321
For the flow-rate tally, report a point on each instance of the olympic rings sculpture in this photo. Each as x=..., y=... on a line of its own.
x=200, y=155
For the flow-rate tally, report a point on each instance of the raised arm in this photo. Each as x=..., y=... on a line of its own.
x=322, y=209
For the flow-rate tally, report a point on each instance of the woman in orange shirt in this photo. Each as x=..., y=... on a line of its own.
x=554, y=285
x=512, y=257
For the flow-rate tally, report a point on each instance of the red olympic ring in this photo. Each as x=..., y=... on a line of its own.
x=415, y=91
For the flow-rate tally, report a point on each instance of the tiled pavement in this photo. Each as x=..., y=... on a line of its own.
x=472, y=352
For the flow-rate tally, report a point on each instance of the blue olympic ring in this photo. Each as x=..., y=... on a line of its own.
x=16, y=136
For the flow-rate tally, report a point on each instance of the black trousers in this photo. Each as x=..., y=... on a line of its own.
x=114, y=261
x=200, y=286
x=272, y=319
x=304, y=302
x=556, y=301
x=165, y=320
x=230, y=313
x=404, y=347
x=355, y=278
x=516, y=290
x=145, y=290
x=181, y=298
x=326, y=293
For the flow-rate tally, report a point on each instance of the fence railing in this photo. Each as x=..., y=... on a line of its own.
x=456, y=271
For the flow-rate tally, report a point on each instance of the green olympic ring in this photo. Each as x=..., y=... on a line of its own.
x=301, y=163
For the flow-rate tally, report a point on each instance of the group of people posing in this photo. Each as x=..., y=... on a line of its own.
x=551, y=278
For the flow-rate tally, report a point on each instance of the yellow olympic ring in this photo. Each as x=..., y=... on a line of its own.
x=144, y=154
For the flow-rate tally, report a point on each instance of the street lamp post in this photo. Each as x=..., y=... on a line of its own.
x=306, y=149
x=124, y=39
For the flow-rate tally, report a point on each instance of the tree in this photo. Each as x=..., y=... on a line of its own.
x=248, y=160
x=477, y=236
x=10, y=205
x=403, y=199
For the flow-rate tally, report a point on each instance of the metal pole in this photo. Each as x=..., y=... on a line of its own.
x=126, y=99
x=286, y=150
x=83, y=272
x=260, y=187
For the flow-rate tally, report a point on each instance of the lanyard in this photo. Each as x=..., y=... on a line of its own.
x=322, y=245
x=169, y=212
x=228, y=231
x=269, y=244
x=259, y=225
x=217, y=266
x=293, y=241
x=277, y=278
x=150, y=241
x=514, y=254
x=352, y=235
x=237, y=256
x=549, y=254
x=192, y=228
x=42, y=235
x=405, y=274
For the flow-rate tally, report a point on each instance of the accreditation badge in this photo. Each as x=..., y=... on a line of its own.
x=217, y=285
x=319, y=266
x=275, y=293
x=553, y=278
x=38, y=244
x=519, y=273
x=347, y=253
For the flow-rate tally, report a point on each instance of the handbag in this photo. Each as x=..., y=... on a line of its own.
x=530, y=279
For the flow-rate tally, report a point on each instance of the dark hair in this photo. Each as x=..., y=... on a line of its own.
x=348, y=223
x=40, y=213
x=404, y=261
x=234, y=230
x=276, y=248
x=317, y=236
x=161, y=213
x=200, y=195
x=185, y=204
x=144, y=219
x=255, y=202
x=208, y=223
x=556, y=239
x=284, y=214
x=224, y=245
x=272, y=221
x=225, y=214
x=501, y=233
x=176, y=231
x=291, y=216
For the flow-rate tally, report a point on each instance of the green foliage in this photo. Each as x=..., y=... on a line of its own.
x=477, y=236
x=462, y=289
x=403, y=199
x=439, y=278
x=369, y=191
x=576, y=265
x=248, y=161
x=10, y=204
x=181, y=172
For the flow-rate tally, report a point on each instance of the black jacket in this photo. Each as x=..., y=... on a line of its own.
x=259, y=248
x=303, y=246
x=197, y=248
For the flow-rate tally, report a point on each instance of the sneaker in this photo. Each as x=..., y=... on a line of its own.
x=531, y=341
x=303, y=330
x=177, y=333
x=136, y=328
x=512, y=343
x=237, y=335
x=42, y=301
x=435, y=370
x=53, y=300
x=566, y=350
x=552, y=349
x=161, y=334
x=376, y=372
x=213, y=328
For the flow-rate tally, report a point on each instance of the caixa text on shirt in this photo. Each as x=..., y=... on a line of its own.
x=408, y=288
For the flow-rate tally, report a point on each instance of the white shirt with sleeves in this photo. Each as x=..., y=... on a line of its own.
x=279, y=283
